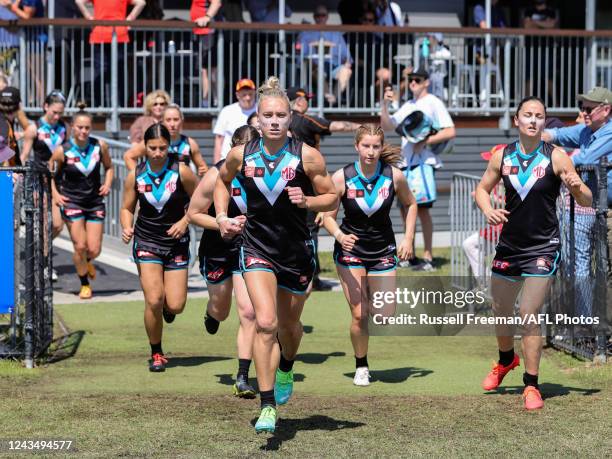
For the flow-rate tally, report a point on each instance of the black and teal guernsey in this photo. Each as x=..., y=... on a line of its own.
x=180, y=150
x=211, y=243
x=48, y=138
x=275, y=227
x=532, y=189
x=163, y=202
x=367, y=203
x=79, y=179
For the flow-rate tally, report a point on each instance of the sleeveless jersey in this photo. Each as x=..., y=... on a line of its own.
x=532, y=189
x=163, y=202
x=274, y=226
x=212, y=244
x=367, y=203
x=48, y=138
x=80, y=177
x=181, y=150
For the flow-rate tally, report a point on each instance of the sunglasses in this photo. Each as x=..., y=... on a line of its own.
x=160, y=104
x=416, y=80
x=320, y=15
x=588, y=110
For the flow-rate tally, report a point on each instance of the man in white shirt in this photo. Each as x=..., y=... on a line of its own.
x=421, y=152
x=231, y=117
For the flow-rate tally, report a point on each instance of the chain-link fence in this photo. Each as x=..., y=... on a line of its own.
x=26, y=307
x=581, y=290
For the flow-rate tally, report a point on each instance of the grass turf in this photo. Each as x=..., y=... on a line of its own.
x=425, y=398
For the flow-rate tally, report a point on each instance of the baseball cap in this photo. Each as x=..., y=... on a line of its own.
x=295, y=92
x=419, y=73
x=245, y=83
x=486, y=155
x=597, y=94
x=10, y=96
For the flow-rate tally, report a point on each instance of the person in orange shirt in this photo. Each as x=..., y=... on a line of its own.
x=102, y=36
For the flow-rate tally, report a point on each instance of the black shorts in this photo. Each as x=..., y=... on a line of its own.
x=294, y=277
x=171, y=259
x=385, y=261
x=218, y=269
x=509, y=265
x=72, y=212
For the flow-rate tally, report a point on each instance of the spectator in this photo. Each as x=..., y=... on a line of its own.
x=265, y=10
x=388, y=14
x=202, y=12
x=28, y=9
x=541, y=16
x=418, y=154
x=253, y=121
x=10, y=100
x=594, y=139
x=232, y=10
x=102, y=36
x=154, y=105
x=310, y=129
x=498, y=18
x=232, y=117
x=9, y=38
x=338, y=62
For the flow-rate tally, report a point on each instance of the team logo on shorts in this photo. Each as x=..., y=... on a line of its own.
x=288, y=173
x=180, y=260
x=100, y=213
x=539, y=172
x=349, y=259
x=143, y=253
x=543, y=264
x=215, y=275
x=72, y=212
x=250, y=261
x=171, y=187
x=501, y=265
x=303, y=279
x=383, y=193
x=387, y=261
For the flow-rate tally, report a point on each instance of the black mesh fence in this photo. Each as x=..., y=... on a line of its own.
x=26, y=326
x=580, y=291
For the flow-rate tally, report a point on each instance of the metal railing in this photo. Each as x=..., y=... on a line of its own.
x=472, y=71
x=470, y=234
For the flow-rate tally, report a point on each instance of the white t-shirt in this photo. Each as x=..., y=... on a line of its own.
x=434, y=108
x=231, y=117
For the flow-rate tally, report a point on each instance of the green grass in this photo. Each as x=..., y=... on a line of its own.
x=441, y=262
x=426, y=399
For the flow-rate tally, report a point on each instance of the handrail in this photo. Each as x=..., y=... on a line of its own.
x=264, y=26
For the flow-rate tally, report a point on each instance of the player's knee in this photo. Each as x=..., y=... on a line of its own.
x=267, y=326
x=80, y=247
x=175, y=306
x=218, y=308
x=154, y=301
x=93, y=251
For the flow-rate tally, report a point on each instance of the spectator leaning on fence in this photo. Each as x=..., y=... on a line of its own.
x=419, y=156
x=202, y=12
x=232, y=117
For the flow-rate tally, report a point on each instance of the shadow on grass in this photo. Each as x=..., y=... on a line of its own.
x=548, y=390
x=228, y=379
x=286, y=429
x=316, y=358
x=193, y=361
x=63, y=348
x=395, y=375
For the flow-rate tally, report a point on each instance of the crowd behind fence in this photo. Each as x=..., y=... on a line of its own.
x=580, y=287
x=473, y=72
x=26, y=328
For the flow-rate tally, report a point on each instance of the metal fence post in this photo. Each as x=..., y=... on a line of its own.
x=603, y=266
x=30, y=293
x=114, y=84
x=320, y=76
x=220, y=68
x=23, y=65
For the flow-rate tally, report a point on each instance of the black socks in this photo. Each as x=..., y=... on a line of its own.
x=284, y=364
x=157, y=349
x=211, y=324
x=243, y=367
x=267, y=398
x=361, y=361
x=84, y=280
x=506, y=357
x=530, y=380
